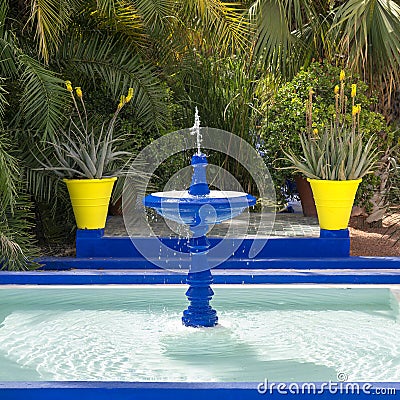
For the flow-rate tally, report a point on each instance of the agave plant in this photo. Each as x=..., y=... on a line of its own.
x=81, y=152
x=340, y=152
x=337, y=154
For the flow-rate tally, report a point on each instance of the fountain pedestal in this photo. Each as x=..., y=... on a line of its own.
x=199, y=313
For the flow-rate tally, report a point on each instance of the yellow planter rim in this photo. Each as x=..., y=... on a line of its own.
x=86, y=180
x=333, y=182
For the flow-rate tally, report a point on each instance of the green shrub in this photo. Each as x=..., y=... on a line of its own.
x=286, y=117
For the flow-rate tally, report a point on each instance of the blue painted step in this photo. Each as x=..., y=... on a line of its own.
x=139, y=263
x=271, y=276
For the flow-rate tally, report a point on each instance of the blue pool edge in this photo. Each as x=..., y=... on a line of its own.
x=194, y=391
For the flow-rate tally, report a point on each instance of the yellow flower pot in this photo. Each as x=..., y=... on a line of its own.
x=334, y=201
x=90, y=199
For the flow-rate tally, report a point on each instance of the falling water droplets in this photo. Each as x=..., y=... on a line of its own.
x=195, y=130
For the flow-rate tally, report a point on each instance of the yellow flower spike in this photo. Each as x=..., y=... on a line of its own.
x=68, y=85
x=122, y=101
x=353, y=90
x=315, y=131
x=78, y=91
x=354, y=110
x=130, y=95
x=342, y=75
x=336, y=90
x=358, y=108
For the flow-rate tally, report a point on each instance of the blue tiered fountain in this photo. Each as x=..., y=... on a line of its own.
x=199, y=207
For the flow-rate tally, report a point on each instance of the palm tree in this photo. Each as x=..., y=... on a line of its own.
x=361, y=34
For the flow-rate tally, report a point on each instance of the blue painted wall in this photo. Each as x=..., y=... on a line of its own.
x=92, y=243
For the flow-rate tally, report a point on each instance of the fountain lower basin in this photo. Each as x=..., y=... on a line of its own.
x=134, y=334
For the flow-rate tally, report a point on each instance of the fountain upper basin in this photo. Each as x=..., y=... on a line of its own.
x=184, y=208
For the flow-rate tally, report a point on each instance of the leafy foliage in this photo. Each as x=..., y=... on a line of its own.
x=16, y=245
x=224, y=56
x=369, y=36
x=286, y=117
x=339, y=153
x=287, y=32
x=115, y=64
x=229, y=94
x=361, y=35
x=17, y=251
x=50, y=18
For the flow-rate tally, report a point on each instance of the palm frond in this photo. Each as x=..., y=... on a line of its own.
x=16, y=244
x=224, y=23
x=369, y=35
x=285, y=31
x=3, y=101
x=51, y=18
x=118, y=66
x=44, y=98
x=17, y=250
x=9, y=175
x=156, y=13
x=8, y=61
x=3, y=15
x=122, y=16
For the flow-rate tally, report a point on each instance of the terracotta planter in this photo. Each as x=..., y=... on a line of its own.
x=306, y=196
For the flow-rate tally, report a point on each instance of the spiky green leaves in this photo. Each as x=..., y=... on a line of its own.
x=83, y=155
x=85, y=151
x=337, y=154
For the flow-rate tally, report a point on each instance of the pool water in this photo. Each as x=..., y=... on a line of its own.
x=135, y=334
